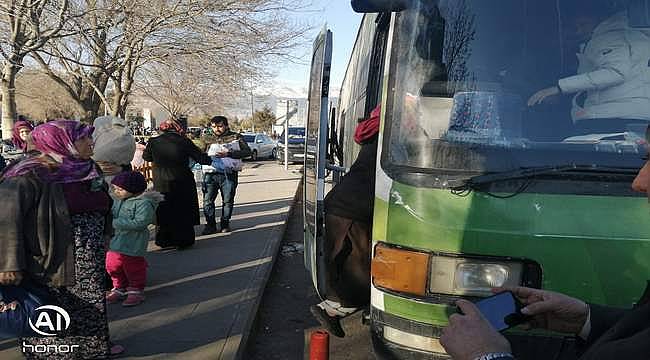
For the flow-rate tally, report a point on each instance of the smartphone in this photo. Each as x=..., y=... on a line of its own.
x=502, y=310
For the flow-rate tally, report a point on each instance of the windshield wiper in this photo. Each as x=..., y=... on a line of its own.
x=476, y=182
x=527, y=173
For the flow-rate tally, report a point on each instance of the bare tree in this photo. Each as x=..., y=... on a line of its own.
x=182, y=90
x=224, y=42
x=26, y=26
x=40, y=98
x=80, y=63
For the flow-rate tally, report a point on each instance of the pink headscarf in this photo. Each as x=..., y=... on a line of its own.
x=58, y=161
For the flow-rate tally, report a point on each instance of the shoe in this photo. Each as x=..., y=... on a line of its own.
x=330, y=323
x=209, y=229
x=115, y=295
x=116, y=350
x=226, y=229
x=134, y=297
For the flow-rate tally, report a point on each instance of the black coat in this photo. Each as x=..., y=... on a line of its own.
x=354, y=197
x=36, y=231
x=170, y=154
x=618, y=334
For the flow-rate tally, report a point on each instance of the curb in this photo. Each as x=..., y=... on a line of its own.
x=246, y=331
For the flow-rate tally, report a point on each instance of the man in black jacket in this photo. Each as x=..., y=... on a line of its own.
x=603, y=333
x=219, y=177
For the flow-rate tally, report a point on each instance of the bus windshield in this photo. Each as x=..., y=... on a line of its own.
x=476, y=87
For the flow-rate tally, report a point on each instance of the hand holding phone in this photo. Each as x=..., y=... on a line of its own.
x=469, y=334
x=502, y=310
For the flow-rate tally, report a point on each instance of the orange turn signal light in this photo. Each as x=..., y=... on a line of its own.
x=400, y=270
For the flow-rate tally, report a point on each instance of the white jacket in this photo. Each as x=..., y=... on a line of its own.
x=614, y=71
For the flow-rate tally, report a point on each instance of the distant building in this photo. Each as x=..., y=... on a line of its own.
x=152, y=113
x=296, y=110
x=149, y=120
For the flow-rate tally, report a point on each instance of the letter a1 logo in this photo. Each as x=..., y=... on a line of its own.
x=50, y=320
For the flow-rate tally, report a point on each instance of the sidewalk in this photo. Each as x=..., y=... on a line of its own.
x=201, y=302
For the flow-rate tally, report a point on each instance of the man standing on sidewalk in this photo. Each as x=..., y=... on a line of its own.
x=223, y=145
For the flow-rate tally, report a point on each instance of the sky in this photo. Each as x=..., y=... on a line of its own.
x=344, y=24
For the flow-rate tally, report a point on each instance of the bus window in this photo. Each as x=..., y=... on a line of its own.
x=466, y=75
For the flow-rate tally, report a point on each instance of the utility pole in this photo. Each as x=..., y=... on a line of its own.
x=252, y=110
x=106, y=100
x=286, y=139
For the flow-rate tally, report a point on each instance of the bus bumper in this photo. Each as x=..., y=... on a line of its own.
x=395, y=337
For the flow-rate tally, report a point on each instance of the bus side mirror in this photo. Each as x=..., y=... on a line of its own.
x=376, y=6
x=638, y=13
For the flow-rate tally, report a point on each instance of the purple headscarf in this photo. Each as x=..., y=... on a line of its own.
x=16, y=140
x=55, y=140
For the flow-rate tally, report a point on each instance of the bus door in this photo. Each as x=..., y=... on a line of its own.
x=315, y=160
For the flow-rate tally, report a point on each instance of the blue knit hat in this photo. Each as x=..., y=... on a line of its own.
x=131, y=181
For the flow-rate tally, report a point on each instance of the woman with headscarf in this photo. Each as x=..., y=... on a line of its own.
x=114, y=146
x=53, y=221
x=170, y=153
x=20, y=135
x=18, y=145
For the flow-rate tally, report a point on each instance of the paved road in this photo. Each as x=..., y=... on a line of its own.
x=201, y=302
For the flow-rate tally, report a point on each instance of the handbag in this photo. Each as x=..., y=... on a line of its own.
x=18, y=304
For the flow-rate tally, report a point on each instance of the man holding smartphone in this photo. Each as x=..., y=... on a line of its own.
x=605, y=332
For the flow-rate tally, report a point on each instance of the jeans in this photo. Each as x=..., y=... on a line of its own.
x=213, y=183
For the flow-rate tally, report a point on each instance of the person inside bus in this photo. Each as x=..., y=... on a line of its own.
x=612, y=86
x=602, y=333
x=348, y=224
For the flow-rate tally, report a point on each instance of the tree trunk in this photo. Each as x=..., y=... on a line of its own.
x=8, y=90
x=89, y=100
x=118, y=94
x=92, y=104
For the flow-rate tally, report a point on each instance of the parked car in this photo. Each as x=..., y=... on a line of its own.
x=261, y=145
x=196, y=130
x=296, y=148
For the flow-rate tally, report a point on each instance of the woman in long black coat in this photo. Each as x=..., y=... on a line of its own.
x=170, y=153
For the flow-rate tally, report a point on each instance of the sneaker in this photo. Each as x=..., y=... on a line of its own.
x=134, y=297
x=327, y=321
x=224, y=226
x=115, y=295
x=209, y=229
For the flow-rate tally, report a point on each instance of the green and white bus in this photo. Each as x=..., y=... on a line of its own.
x=477, y=185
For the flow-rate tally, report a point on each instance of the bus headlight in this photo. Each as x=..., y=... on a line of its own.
x=480, y=276
x=461, y=276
